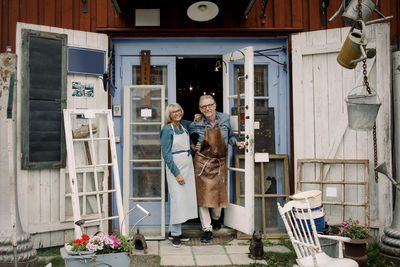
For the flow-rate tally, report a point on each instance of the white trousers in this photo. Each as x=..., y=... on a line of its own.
x=205, y=217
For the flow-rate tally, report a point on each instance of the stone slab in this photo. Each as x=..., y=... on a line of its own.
x=174, y=260
x=212, y=260
x=208, y=250
x=237, y=249
x=241, y=259
x=277, y=248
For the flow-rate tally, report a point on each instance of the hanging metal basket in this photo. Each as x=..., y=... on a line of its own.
x=362, y=108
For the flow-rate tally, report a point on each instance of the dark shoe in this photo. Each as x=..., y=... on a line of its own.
x=182, y=237
x=216, y=224
x=207, y=236
x=176, y=241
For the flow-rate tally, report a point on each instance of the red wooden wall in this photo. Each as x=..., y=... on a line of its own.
x=282, y=17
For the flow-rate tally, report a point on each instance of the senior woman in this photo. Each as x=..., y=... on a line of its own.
x=175, y=146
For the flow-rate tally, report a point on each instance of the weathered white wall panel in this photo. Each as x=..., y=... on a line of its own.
x=320, y=86
x=40, y=195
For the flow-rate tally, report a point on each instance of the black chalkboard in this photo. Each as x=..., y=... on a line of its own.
x=43, y=96
x=86, y=61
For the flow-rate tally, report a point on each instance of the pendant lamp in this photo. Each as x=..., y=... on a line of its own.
x=202, y=11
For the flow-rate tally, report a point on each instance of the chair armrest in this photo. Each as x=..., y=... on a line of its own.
x=311, y=246
x=335, y=237
x=341, y=239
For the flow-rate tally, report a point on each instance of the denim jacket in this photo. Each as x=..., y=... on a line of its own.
x=225, y=124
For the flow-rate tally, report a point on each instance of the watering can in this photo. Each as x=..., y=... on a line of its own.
x=354, y=49
x=350, y=12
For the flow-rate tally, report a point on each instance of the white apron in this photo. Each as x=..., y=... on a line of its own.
x=183, y=197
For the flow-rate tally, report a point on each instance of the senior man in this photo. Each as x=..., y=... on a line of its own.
x=214, y=134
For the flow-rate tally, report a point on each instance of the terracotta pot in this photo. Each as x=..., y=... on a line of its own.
x=356, y=250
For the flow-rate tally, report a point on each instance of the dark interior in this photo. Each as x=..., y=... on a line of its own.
x=194, y=77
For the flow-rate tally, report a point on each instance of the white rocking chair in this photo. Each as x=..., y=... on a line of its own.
x=296, y=216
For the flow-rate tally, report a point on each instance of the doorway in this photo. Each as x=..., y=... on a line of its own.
x=177, y=63
x=196, y=76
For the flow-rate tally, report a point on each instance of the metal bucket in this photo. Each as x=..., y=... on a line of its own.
x=362, y=110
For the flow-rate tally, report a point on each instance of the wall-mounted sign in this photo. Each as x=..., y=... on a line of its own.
x=86, y=61
x=82, y=89
x=145, y=113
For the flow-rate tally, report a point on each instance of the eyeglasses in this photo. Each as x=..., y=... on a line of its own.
x=176, y=111
x=207, y=106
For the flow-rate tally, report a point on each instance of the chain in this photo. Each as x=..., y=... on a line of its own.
x=366, y=84
x=359, y=6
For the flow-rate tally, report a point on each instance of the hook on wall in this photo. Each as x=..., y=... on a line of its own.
x=231, y=58
x=270, y=58
x=218, y=65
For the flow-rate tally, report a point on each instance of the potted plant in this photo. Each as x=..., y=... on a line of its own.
x=110, y=250
x=360, y=238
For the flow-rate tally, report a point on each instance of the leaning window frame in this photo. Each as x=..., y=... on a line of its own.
x=25, y=88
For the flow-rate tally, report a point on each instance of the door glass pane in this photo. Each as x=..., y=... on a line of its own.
x=274, y=223
x=146, y=179
x=158, y=76
x=260, y=85
x=146, y=147
x=269, y=186
x=145, y=119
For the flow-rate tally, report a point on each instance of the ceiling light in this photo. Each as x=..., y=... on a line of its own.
x=202, y=11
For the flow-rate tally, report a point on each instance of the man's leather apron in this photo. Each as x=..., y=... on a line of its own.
x=210, y=170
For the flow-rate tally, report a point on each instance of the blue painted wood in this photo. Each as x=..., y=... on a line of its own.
x=165, y=50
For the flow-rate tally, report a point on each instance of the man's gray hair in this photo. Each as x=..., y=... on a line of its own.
x=203, y=97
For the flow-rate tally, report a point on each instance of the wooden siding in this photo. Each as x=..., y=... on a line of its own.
x=45, y=212
x=281, y=16
x=320, y=86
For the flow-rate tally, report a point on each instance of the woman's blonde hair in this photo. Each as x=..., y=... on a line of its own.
x=168, y=111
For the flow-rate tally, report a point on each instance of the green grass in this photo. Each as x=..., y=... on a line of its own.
x=56, y=262
x=276, y=259
x=375, y=259
x=53, y=255
x=244, y=243
x=53, y=251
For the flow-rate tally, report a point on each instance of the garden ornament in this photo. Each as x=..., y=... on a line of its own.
x=354, y=49
x=139, y=242
x=256, y=247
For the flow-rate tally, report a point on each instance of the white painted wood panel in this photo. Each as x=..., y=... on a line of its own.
x=40, y=190
x=320, y=86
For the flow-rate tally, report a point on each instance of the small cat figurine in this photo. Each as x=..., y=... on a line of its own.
x=256, y=247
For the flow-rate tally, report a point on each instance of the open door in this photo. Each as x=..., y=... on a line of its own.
x=238, y=92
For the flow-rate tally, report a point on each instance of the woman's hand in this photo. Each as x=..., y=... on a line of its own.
x=197, y=117
x=179, y=179
x=240, y=145
x=198, y=146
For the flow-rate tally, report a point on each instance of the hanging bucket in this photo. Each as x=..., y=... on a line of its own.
x=362, y=109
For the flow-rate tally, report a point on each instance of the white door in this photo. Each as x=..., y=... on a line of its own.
x=320, y=86
x=143, y=166
x=240, y=216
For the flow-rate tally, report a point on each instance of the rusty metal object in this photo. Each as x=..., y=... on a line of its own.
x=139, y=241
x=84, y=132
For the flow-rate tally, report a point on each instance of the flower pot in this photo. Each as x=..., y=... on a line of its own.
x=356, y=250
x=85, y=260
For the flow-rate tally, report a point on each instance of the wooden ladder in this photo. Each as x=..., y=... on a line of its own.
x=95, y=129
